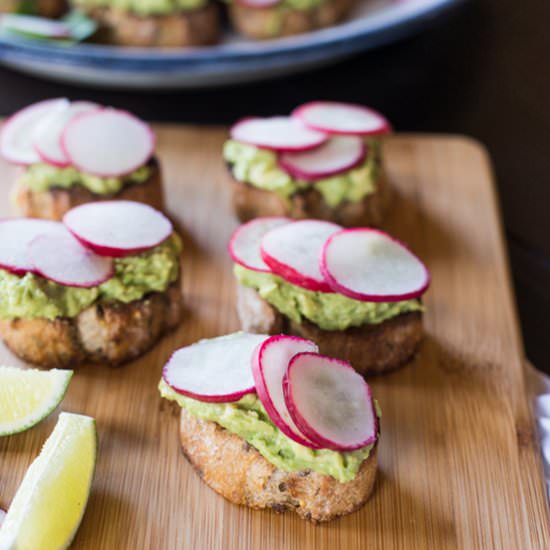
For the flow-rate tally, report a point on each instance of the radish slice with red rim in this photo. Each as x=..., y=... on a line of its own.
x=282, y=134
x=269, y=367
x=16, y=138
x=15, y=237
x=244, y=246
x=340, y=154
x=342, y=119
x=47, y=133
x=293, y=251
x=330, y=403
x=369, y=265
x=108, y=143
x=217, y=370
x=118, y=228
x=61, y=258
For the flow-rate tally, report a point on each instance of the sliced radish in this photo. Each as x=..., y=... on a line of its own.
x=278, y=134
x=118, y=228
x=35, y=26
x=217, y=370
x=17, y=133
x=369, y=265
x=61, y=258
x=47, y=134
x=340, y=154
x=292, y=252
x=329, y=402
x=258, y=3
x=342, y=118
x=269, y=366
x=108, y=143
x=244, y=246
x=15, y=237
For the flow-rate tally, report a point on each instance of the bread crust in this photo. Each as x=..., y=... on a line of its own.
x=54, y=203
x=371, y=349
x=107, y=333
x=43, y=8
x=270, y=22
x=199, y=27
x=237, y=471
x=250, y=202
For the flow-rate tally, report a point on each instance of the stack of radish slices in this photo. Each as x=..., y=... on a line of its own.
x=317, y=401
x=362, y=263
x=319, y=139
x=79, y=252
x=93, y=139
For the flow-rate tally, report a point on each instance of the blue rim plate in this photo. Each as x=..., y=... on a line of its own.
x=236, y=60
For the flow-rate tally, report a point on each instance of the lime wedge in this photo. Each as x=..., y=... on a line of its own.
x=50, y=502
x=28, y=396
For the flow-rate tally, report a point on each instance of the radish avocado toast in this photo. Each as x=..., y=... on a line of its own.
x=73, y=153
x=102, y=286
x=268, y=422
x=355, y=292
x=322, y=162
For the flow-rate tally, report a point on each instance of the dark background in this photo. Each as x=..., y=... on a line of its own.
x=482, y=72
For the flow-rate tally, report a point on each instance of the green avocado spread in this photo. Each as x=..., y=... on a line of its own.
x=259, y=167
x=248, y=419
x=41, y=177
x=329, y=311
x=32, y=297
x=143, y=8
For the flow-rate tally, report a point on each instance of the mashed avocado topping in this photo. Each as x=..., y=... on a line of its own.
x=41, y=177
x=144, y=8
x=248, y=419
x=32, y=297
x=259, y=167
x=329, y=311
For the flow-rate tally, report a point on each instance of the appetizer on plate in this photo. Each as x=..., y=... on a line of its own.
x=323, y=162
x=264, y=19
x=44, y=8
x=354, y=292
x=268, y=422
x=154, y=23
x=102, y=286
x=76, y=153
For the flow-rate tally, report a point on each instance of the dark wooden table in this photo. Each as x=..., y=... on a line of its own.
x=482, y=72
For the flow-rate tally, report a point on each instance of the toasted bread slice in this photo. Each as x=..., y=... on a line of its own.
x=250, y=202
x=54, y=203
x=237, y=471
x=272, y=22
x=371, y=349
x=109, y=333
x=199, y=27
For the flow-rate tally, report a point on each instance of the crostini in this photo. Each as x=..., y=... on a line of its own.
x=324, y=162
x=102, y=286
x=355, y=292
x=261, y=19
x=76, y=153
x=154, y=23
x=268, y=422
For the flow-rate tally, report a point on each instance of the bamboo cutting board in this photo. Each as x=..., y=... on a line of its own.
x=459, y=464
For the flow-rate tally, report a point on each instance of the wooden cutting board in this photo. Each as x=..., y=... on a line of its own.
x=459, y=463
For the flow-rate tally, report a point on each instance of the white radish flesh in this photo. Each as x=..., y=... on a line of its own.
x=369, y=265
x=2, y=516
x=16, y=138
x=269, y=367
x=118, y=228
x=108, y=143
x=340, y=154
x=293, y=251
x=217, y=370
x=330, y=402
x=278, y=134
x=244, y=246
x=342, y=118
x=35, y=26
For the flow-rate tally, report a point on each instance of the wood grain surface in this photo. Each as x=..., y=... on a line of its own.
x=459, y=464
